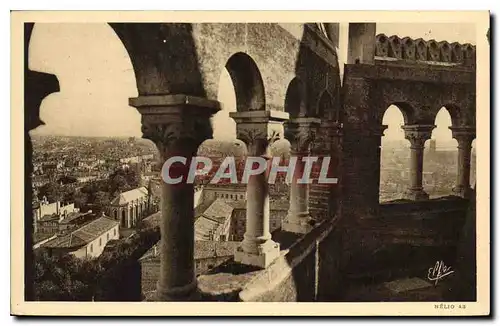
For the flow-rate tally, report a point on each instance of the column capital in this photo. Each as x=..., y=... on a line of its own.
x=258, y=129
x=176, y=122
x=418, y=134
x=301, y=132
x=464, y=134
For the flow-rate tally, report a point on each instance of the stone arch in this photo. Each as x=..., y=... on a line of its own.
x=393, y=142
x=295, y=98
x=454, y=112
x=406, y=110
x=247, y=81
x=442, y=133
x=127, y=77
x=325, y=105
x=164, y=57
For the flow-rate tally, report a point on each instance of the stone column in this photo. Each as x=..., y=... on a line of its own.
x=464, y=137
x=177, y=124
x=258, y=129
x=417, y=135
x=300, y=133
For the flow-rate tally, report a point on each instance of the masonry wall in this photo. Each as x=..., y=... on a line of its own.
x=277, y=51
x=418, y=234
x=310, y=271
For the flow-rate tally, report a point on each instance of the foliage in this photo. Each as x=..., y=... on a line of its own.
x=66, y=180
x=66, y=278
x=123, y=180
x=52, y=191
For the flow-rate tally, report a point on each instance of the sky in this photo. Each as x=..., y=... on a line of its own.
x=96, y=79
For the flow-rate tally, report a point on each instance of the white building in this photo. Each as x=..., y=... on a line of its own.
x=87, y=241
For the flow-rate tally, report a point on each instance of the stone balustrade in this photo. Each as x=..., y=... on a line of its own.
x=419, y=49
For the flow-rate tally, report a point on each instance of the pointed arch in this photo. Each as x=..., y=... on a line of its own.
x=325, y=105
x=406, y=110
x=453, y=111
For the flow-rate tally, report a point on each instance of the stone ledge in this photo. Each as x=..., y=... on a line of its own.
x=237, y=282
x=173, y=100
x=424, y=73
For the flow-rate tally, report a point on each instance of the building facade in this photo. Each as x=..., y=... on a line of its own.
x=87, y=241
x=130, y=207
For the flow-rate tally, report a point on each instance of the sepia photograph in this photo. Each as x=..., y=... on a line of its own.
x=221, y=160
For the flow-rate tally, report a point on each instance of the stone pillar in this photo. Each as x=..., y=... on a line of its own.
x=300, y=133
x=177, y=124
x=258, y=129
x=417, y=135
x=464, y=137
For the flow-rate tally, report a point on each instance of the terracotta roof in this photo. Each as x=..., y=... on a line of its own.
x=72, y=216
x=84, y=234
x=213, y=217
x=202, y=250
x=49, y=217
x=38, y=236
x=128, y=196
x=274, y=204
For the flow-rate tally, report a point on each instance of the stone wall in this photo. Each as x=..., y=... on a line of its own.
x=307, y=270
x=422, y=50
x=418, y=233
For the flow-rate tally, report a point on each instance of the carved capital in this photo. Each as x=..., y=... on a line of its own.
x=301, y=132
x=464, y=135
x=418, y=134
x=176, y=123
x=259, y=129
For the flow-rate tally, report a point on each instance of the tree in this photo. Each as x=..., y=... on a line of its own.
x=118, y=184
x=66, y=180
x=102, y=200
x=80, y=199
x=123, y=179
x=52, y=191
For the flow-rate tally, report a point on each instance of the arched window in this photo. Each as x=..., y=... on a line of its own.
x=440, y=158
x=394, y=156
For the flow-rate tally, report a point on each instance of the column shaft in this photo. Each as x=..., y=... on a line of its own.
x=177, y=124
x=298, y=219
x=258, y=129
x=177, y=274
x=416, y=167
x=257, y=218
x=464, y=136
x=300, y=132
x=417, y=135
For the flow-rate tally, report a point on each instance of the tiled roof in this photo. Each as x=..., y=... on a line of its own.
x=202, y=250
x=153, y=220
x=274, y=204
x=72, y=216
x=49, y=217
x=203, y=226
x=83, y=235
x=214, y=216
x=38, y=236
x=219, y=210
x=128, y=196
